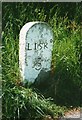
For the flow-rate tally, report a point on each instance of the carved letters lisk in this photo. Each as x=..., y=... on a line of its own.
x=35, y=49
x=37, y=46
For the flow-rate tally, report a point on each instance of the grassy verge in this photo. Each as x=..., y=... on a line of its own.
x=23, y=103
x=20, y=102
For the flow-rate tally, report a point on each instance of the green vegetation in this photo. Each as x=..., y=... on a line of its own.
x=65, y=85
x=66, y=59
x=23, y=103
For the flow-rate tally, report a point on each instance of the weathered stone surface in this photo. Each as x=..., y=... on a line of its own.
x=35, y=49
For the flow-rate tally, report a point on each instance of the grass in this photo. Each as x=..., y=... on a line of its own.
x=19, y=100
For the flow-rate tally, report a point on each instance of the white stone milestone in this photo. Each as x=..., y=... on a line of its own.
x=35, y=49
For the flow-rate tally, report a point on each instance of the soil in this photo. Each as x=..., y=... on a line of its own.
x=73, y=113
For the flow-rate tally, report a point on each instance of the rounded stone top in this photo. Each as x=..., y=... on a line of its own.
x=30, y=24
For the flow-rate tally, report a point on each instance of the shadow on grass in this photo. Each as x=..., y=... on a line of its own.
x=62, y=86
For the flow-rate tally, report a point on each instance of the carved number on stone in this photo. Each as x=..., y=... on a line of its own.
x=37, y=63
